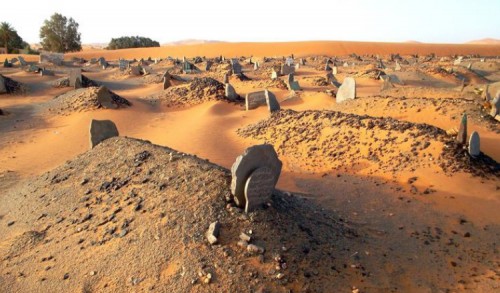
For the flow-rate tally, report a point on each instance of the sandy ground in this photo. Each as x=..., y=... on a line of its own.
x=33, y=141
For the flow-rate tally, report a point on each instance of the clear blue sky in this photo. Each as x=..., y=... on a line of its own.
x=432, y=21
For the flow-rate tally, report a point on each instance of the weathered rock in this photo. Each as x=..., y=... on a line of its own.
x=347, y=90
x=252, y=248
x=474, y=144
x=387, y=85
x=274, y=75
x=231, y=92
x=135, y=70
x=213, y=232
x=226, y=78
x=287, y=69
x=101, y=130
x=259, y=188
x=255, y=100
x=105, y=99
x=255, y=157
x=462, y=130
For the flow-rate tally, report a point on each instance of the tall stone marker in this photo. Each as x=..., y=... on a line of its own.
x=231, y=92
x=474, y=144
x=166, y=83
x=101, y=130
x=263, y=160
x=462, y=130
x=272, y=102
x=347, y=90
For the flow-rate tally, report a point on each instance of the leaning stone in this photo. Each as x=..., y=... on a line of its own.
x=101, y=130
x=105, y=99
x=213, y=232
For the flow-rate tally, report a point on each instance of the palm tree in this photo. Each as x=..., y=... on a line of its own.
x=6, y=34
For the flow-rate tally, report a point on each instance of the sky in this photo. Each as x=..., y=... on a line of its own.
x=436, y=21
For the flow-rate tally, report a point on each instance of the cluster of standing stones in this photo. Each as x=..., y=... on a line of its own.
x=474, y=146
x=346, y=91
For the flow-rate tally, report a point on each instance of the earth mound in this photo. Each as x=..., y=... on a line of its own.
x=198, y=91
x=142, y=227
x=335, y=140
x=12, y=86
x=83, y=99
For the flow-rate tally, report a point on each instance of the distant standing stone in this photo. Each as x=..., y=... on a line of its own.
x=226, y=78
x=474, y=144
x=213, y=232
x=462, y=130
x=255, y=157
x=105, y=99
x=347, y=90
x=75, y=78
x=101, y=130
x=231, y=92
x=259, y=188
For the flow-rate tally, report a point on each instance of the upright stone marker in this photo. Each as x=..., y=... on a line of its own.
x=272, y=102
x=255, y=100
x=101, y=130
x=259, y=188
x=226, y=78
x=22, y=61
x=3, y=87
x=462, y=130
x=231, y=92
x=235, y=66
x=474, y=144
x=347, y=90
x=254, y=158
x=75, y=78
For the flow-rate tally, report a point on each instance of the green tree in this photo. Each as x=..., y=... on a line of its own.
x=60, y=34
x=131, y=42
x=10, y=39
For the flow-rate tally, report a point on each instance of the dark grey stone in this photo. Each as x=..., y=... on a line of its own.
x=101, y=130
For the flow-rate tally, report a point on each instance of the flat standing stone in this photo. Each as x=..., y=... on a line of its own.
x=474, y=144
x=255, y=100
x=101, y=130
x=347, y=90
x=272, y=102
x=253, y=158
x=231, y=92
x=75, y=78
x=259, y=188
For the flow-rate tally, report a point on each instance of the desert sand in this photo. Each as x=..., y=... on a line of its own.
x=375, y=195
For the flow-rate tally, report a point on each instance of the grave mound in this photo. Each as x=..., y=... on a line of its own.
x=83, y=99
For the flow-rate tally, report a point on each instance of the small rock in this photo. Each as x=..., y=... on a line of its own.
x=255, y=249
x=213, y=232
x=245, y=237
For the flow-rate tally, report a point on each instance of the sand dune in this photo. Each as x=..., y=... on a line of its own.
x=284, y=49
